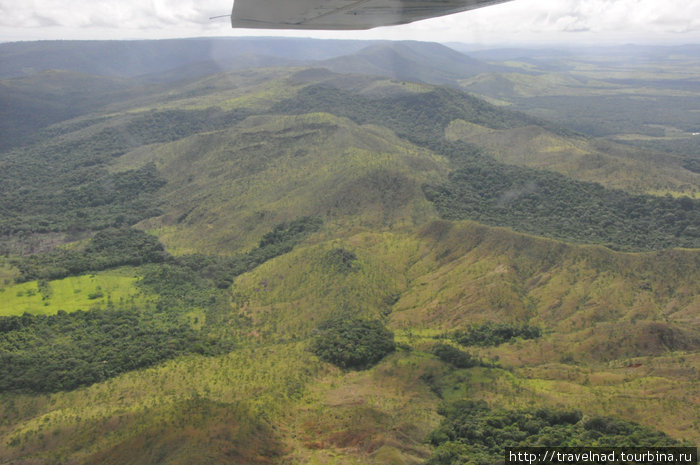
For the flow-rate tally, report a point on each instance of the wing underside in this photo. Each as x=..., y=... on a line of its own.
x=343, y=14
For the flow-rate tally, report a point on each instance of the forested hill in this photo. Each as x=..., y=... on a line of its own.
x=150, y=57
x=60, y=182
x=47, y=82
x=287, y=264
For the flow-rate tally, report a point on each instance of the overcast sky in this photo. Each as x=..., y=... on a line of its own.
x=520, y=21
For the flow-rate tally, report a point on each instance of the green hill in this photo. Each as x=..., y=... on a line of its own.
x=197, y=264
x=34, y=102
x=582, y=158
x=411, y=61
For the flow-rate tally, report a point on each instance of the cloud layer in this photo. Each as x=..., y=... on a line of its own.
x=517, y=20
x=652, y=16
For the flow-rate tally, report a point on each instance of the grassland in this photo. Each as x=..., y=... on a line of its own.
x=101, y=290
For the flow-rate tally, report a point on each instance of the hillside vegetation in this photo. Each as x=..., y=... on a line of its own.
x=293, y=266
x=581, y=158
x=551, y=205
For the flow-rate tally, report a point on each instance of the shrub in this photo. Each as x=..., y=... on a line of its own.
x=491, y=334
x=455, y=357
x=341, y=260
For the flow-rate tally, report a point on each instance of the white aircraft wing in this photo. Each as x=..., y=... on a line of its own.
x=343, y=14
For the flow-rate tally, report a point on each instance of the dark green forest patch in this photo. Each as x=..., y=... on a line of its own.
x=493, y=334
x=473, y=433
x=456, y=357
x=418, y=117
x=692, y=164
x=68, y=350
x=112, y=248
x=551, y=205
x=340, y=260
x=351, y=343
x=87, y=198
x=107, y=249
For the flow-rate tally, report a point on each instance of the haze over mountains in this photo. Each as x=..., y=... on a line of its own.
x=296, y=251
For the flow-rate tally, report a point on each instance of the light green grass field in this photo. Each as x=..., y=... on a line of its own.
x=72, y=294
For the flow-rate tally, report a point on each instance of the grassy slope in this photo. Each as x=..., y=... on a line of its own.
x=606, y=163
x=226, y=188
x=602, y=312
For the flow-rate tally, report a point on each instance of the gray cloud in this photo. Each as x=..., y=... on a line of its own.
x=517, y=20
x=572, y=19
x=132, y=14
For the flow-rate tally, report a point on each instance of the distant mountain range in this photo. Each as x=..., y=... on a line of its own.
x=113, y=71
x=139, y=58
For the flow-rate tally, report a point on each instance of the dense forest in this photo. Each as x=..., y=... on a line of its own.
x=68, y=350
x=51, y=197
x=353, y=343
x=549, y=204
x=456, y=357
x=107, y=249
x=473, y=433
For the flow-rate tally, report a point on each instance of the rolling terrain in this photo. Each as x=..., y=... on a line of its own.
x=187, y=264
x=636, y=95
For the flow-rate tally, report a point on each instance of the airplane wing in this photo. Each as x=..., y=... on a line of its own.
x=343, y=14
